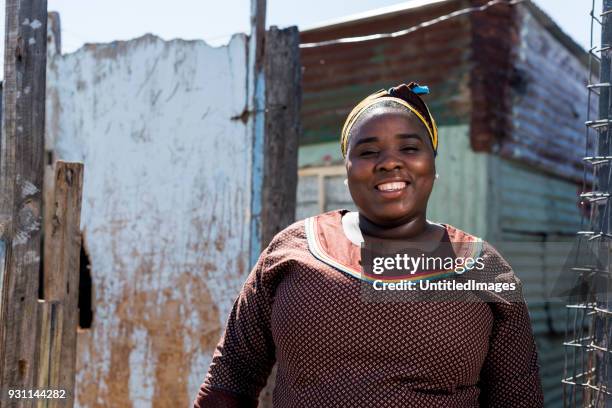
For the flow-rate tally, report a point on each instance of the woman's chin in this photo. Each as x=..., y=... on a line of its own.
x=391, y=217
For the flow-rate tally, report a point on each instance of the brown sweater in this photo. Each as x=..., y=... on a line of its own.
x=333, y=349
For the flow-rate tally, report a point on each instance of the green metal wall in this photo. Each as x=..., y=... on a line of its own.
x=460, y=194
x=537, y=218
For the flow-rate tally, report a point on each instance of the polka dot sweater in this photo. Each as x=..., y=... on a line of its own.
x=334, y=349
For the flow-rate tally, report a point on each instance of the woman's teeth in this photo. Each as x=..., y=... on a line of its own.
x=391, y=186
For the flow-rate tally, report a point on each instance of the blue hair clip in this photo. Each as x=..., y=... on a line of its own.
x=421, y=90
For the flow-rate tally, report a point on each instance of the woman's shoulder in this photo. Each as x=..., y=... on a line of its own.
x=292, y=245
x=458, y=235
x=289, y=235
x=491, y=257
x=296, y=235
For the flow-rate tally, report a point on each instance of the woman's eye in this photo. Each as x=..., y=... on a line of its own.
x=410, y=149
x=367, y=153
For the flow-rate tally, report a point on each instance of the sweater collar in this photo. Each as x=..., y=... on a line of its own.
x=337, y=242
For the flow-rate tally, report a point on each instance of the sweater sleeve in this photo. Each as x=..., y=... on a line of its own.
x=510, y=374
x=244, y=356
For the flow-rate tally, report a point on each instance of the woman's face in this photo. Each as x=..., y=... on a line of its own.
x=390, y=166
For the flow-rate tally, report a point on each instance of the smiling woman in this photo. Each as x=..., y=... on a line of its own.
x=390, y=147
x=304, y=307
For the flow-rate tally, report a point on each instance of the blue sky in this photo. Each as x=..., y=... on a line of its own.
x=107, y=20
x=91, y=21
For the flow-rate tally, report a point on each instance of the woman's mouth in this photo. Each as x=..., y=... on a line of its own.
x=392, y=190
x=391, y=187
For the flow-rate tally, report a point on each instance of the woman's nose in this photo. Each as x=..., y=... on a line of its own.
x=389, y=162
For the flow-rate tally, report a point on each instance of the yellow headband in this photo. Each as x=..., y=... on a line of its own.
x=374, y=99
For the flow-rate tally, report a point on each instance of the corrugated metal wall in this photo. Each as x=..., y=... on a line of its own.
x=538, y=217
x=538, y=199
x=460, y=194
x=336, y=77
x=533, y=202
x=549, y=99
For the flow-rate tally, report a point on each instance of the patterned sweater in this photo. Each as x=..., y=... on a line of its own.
x=302, y=307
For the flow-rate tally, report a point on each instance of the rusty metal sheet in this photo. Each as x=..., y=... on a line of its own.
x=165, y=207
x=549, y=107
x=336, y=77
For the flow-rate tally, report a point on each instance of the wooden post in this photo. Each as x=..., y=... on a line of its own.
x=258, y=33
x=256, y=105
x=283, y=77
x=61, y=256
x=283, y=94
x=21, y=177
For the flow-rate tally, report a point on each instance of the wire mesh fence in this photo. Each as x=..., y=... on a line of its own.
x=587, y=374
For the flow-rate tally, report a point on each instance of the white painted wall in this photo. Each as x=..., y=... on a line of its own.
x=165, y=207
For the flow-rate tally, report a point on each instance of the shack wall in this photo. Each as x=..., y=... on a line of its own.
x=166, y=207
x=337, y=76
x=538, y=172
x=537, y=218
x=549, y=98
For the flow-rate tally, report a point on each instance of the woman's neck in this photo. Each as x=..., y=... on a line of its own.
x=415, y=229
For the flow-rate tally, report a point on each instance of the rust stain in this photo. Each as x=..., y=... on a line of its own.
x=172, y=361
x=118, y=377
x=243, y=116
x=219, y=243
x=241, y=266
x=163, y=315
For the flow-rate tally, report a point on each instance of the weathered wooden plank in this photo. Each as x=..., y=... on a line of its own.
x=256, y=119
x=258, y=33
x=61, y=255
x=283, y=94
x=54, y=41
x=283, y=101
x=50, y=323
x=21, y=174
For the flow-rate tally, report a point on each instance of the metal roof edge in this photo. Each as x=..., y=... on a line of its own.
x=557, y=32
x=372, y=14
x=541, y=16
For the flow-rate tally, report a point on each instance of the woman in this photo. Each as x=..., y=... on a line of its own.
x=303, y=305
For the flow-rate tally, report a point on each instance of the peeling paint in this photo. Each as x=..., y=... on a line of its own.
x=166, y=199
x=28, y=189
x=21, y=237
x=31, y=257
x=28, y=221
